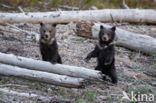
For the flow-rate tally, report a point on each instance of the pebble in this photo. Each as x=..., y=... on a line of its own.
x=154, y=83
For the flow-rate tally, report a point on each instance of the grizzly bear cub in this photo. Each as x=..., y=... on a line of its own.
x=105, y=53
x=48, y=44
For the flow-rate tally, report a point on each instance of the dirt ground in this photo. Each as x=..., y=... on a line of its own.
x=136, y=71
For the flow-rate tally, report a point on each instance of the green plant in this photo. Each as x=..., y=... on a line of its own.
x=153, y=54
x=79, y=40
x=92, y=95
x=81, y=101
x=133, y=101
x=1, y=92
x=138, y=67
x=153, y=66
x=142, y=90
x=126, y=78
x=63, y=91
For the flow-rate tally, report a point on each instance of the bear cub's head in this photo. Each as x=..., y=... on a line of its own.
x=106, y=35
x=47, y=33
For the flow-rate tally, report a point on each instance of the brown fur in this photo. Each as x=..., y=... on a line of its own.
x=48, y=43
x=105, y=53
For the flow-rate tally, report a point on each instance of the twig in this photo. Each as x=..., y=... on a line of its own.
x=124, y=5
x=14, y=85
x=69, y=7
x=20, y=8
x=9, y=30
x=34, y=35
x=94, y=8
x=6, y=6
x=114, y=23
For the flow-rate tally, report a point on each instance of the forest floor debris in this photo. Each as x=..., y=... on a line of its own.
x=136, y=71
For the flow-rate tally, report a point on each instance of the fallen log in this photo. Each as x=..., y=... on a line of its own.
x=41, y=98
x=54, y=79
x=29, y=63
x=133, y=41
x=22, y=94
x=119, y=15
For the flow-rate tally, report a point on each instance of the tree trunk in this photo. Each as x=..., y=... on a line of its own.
x=55, y=79
x=28, y=63
x=119, y=15
x=133, y=41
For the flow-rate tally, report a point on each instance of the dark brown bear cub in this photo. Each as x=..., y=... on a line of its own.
x=48, y=44
x=105, y=53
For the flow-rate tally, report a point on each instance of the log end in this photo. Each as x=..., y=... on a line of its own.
x=84, y=28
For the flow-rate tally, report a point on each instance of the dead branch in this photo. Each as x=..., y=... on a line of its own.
x=124, y=4
x=34, y=35
x=66, y=7
x=21, y=10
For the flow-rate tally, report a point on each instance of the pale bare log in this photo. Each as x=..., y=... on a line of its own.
x=22, y=94
x=62, y=69
x=50, y=78
x=45, y=99
x=119, y=15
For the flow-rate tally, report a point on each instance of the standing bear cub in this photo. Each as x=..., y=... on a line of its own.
x=48, y=44
x=105, y=53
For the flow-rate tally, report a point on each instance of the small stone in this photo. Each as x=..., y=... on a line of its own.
x=102, y=97
x=153, y=29
x=154, y=83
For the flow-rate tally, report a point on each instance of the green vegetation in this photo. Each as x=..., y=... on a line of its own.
x=133, y=101
x=145, y=90
x=1, y=92
x=81, y=101
x=153, y=55
x=126, y=78
x=79, y=40
x=63, y=91
x=139, y=67
x=82, y=4
x=37, y=85
x=113, y=97
x=91, y=95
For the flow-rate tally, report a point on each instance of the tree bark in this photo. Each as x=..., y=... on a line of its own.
x=29, y=63
x=119, y=15
x=54, y=79
x=133, y=41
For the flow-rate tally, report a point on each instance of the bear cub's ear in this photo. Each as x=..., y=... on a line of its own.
x=101, y=27
x=41, y=24
x=54, y=25
x=113, y=28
